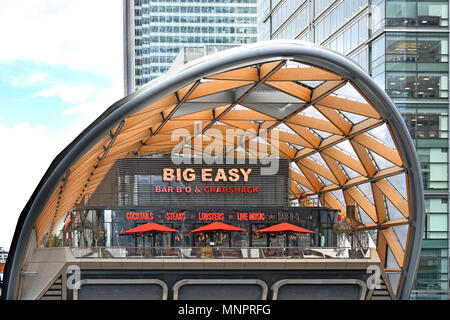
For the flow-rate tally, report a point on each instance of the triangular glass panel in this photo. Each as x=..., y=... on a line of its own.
x=295, y=64
x=311, y=84
x=321, y=134
x=358, y=212
x=239, y=107
x=339, y=196
x=394, y=279
x=325, y=181
x=346, y=147
x=313, y=112
x=373, y=235
x=392, y=211
x=398, y=182
x=349, y=172
x=354, y=118
x=380, y=162
x=390, y=260
x=301, y=187
x=318, y=158
x=296, y=146
x=284, y=127
x=402, y=234
x=349, y=92
x=365, y=219
x=294, y=167
x=383, y=135
x=366, y=190
x=268, y=95
x=319, y=177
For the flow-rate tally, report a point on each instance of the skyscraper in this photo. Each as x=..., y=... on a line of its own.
x=404, y=46
x=155, y=30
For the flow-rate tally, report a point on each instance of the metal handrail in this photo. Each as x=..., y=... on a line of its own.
x=222, y=252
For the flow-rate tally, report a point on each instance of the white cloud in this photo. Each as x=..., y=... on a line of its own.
x=26, y=154
x=74, y=94
x=96, y=104
x=30, y=80
x=83, y=35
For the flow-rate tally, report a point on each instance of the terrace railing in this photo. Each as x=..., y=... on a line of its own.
x=221, y=252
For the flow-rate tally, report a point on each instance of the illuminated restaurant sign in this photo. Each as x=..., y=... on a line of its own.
x=207, y=174
x=201, y=216
x=150, y=182
x=211, y=214
x=159, y=189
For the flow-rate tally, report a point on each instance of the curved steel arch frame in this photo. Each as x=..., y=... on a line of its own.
x=244, y=56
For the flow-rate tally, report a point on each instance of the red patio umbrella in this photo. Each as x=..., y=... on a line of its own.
x=68, y=220
x=147, y=228
x=217, y=227
x=283, y=227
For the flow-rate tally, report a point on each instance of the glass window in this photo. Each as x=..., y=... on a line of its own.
x=378, y=51
x=436, y=204
x=437, y=222
x=434, y=13
x=430, y=50
x=406, y=85
x=434, y=164
x=377, y=16
x=426, y=122
x=416, y=13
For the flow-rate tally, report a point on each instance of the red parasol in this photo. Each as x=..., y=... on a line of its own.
x=148, y=227
x=217, y=227
x=68, y=220
x=284, y=227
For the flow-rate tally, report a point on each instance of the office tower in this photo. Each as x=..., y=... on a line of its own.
x=155, y=30
x=404, y=46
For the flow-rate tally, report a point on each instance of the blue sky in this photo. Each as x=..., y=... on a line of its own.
x=29, y=93
x=61, y=66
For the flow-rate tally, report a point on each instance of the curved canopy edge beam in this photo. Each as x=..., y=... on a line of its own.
x=274, y=52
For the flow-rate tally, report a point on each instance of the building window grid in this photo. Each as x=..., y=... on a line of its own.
x=416, y=65
x=198, y=19
x=286, y=10
x=295, y=25
x=195, y=23
x=352, y=37
x=416, y=14
x=139, y=3
x=340, y=15
x=344, y=11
